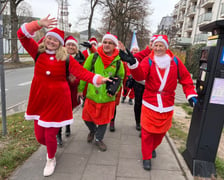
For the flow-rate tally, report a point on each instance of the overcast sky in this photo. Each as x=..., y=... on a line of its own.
x=42, y=8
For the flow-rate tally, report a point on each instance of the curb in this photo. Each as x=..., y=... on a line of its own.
x=20, y=107
x=180, y=159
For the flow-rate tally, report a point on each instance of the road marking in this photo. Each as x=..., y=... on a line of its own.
x=25, y=83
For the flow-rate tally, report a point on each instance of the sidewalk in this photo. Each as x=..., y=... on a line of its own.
x=79, y=160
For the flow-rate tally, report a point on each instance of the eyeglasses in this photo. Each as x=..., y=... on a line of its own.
x=108, y=42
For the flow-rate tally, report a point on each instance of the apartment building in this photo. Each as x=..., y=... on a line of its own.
x=189, y=15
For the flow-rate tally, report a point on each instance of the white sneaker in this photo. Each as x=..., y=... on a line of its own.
x=50, y=166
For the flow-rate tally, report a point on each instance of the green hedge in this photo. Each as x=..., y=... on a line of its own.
x=192, y=59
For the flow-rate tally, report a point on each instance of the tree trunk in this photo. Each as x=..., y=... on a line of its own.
x=14, y=28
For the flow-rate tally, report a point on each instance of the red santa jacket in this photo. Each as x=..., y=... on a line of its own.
x=159, y=91
x=50, y=97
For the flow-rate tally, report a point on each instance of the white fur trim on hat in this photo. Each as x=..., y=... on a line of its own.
x=160, y=39
x=56, y=36
x=72, y=41
x=111, y=37
x=93, y=42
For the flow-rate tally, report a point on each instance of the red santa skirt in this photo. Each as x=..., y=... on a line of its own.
x=155, y=122
x=99, y=113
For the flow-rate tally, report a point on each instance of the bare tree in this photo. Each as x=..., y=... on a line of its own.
x=14, y=27
x=88, y=13
x=124, y=16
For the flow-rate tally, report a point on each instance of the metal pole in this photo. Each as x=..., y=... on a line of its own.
x=2, y=73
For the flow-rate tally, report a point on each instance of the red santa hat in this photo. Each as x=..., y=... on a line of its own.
x=71, y=39
x=93, y=40
x=57, y=33
x=163, y=39
x=153, y=37
x=111, y=37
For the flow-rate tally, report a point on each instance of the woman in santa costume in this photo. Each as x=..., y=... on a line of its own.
x=161, y=70
x=50, y=103
x=72, y=47
x=99, y=105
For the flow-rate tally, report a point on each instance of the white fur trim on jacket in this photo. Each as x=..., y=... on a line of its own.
x=55, y=124
x=48, y=124
x=25, y=32
x=157, y=109
x=95, y=79
x=133, y=66
x=190, y=96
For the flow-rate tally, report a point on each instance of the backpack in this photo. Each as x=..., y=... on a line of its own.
x=95, y=56
x=176, y=62
x=66, y=63
x=111, y=87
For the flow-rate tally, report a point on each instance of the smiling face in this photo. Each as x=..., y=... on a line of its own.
x=52, y=43
x=159, y=48
x=108, y=46
x=71, y=48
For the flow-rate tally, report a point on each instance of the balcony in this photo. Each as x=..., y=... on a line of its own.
x=205, y=18
x=191, y=11
x=193, y=1
x=189, y=27
x=201, y=38
x=183, y=41
x=222, y=11
x=179, y=31
x=183, y=5
x=181, y=18
x=175, y=13
x=207, y=3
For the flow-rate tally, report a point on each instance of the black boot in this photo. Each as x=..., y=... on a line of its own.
x=67, y=131
x=147, y=164
x=123, y=99
x=130, y=102
x=59, y=139
x=112, y=127
x=154, y=154
x=138, y=127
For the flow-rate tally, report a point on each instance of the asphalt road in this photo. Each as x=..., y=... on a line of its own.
x=17, y=85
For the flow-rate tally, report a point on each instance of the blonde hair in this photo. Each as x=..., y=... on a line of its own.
x=61, y=52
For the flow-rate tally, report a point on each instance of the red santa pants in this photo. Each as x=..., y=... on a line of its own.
x=150, y=141
x=47, y=137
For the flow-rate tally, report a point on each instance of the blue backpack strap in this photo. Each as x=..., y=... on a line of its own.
x=150, y=62
x=176, y=61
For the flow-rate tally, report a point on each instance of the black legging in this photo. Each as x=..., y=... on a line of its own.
x=139, y=89
x=114, y=114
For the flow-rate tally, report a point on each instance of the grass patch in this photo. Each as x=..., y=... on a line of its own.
x=219, y=163
x=17, y=145
x=188, y=109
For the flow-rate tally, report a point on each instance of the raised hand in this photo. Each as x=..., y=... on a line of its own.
x=127, y=57
x=48, y=22
x=86, y=44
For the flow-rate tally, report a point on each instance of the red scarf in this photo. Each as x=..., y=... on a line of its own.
x=107, y=59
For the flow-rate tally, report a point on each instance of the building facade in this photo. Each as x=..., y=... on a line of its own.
x=190, y=15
